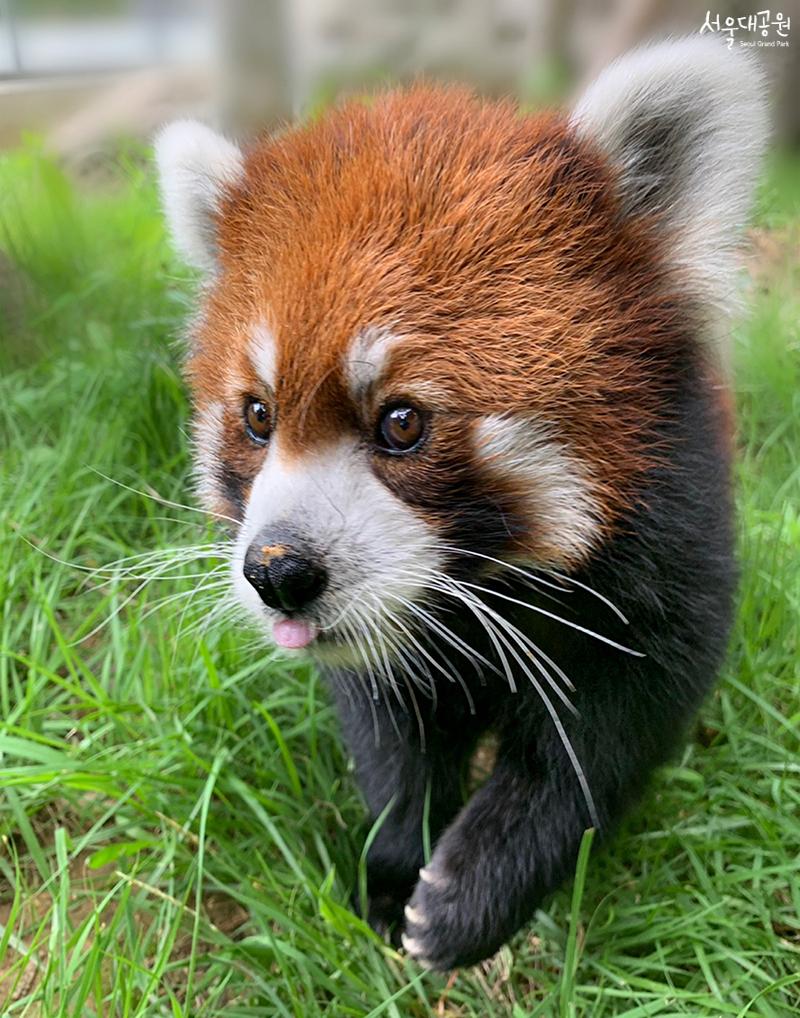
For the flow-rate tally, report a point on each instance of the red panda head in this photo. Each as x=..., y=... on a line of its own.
x=436, y=328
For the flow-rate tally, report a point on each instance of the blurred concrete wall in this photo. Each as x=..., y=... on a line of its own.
x=264, y=62
x=278, y=57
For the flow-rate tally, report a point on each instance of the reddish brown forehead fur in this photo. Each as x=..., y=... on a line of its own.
x=492, y=241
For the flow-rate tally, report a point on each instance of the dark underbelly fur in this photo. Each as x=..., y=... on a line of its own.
x=670, y=570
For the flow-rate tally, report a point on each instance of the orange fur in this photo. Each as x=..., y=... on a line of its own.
x=492, y=242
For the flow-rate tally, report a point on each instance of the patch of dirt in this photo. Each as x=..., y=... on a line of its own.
x=772, y=254
x=19, y=977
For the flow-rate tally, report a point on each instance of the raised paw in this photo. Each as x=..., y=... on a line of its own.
x=444, y=921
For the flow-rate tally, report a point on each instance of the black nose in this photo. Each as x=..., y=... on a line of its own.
x=284, y=578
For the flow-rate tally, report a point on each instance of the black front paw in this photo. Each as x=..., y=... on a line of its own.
x=448, y=922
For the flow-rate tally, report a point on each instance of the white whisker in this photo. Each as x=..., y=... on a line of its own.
x=556, y=618
x=551, y=710
x=155, y=497
x=536, y=578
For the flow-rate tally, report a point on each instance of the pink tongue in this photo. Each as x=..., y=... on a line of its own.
x=292, y=635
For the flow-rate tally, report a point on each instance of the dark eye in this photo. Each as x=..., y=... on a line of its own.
x=257, y=421
x=401, y=429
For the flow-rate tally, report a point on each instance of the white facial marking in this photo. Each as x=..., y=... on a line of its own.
x=559, y=488
x=366, y=360
x=263, y=354
x=377, y=552
x=207, y=442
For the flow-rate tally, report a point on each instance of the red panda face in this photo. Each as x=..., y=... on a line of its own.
x=436, y=331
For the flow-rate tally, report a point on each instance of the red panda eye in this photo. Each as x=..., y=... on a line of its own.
x=401, y=429
x=257, y=421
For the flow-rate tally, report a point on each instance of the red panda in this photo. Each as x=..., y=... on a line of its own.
x=459, y=387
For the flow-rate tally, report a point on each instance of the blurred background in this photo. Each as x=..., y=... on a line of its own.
x=82, y=73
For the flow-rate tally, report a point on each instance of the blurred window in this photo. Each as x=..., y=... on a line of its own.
x=55, y=37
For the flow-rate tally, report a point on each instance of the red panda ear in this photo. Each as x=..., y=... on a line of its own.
x=195, y=166
x=685, y=124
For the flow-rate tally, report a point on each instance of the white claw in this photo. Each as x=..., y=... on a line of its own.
x=427, y=875
x=413, y=915
x=411, y=945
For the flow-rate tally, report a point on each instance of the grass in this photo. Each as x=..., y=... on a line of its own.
x=180, y=830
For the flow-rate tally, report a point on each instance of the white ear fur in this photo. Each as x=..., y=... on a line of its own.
x=195, y=166
x=685, y=123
